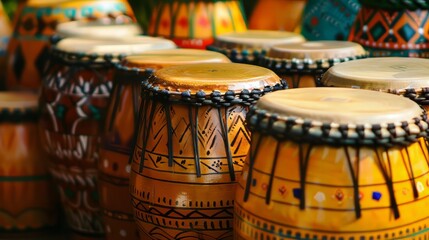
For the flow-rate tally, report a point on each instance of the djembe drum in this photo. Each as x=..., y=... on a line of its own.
x=194, y=24
x=75, y=95
x=334, y=163
x=408, y=77
x=28, y=50
x=251, y=45
x=393, y=28
x=28, y=200
x=191, y=147
x=121, y=129
x=303, y=63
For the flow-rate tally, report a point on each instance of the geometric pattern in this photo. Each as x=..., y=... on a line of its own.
x=402, y=33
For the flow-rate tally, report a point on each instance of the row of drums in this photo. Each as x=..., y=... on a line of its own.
x=145, y=141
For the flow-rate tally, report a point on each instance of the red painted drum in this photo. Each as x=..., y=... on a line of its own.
x=303, y=63
x=28, y=50
x=191, y=146
x=251, y=45
x=28, y=200
x=334, y=163
x=75, y=95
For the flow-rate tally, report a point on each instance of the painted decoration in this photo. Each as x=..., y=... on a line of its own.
x=194, y=24
x=191, y=148
x=321, y=172
x=28, y=50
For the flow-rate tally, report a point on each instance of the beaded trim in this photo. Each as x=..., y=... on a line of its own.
x=304, y=130
x=83, y=58
x=145, y=73
x=17, y=115
x=215, y=98
x=240, y=56
x=280, y=66
x=397, y=4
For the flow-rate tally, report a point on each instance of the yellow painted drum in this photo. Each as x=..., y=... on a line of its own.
x=408, y=77
x=334, y=163
x=251, y=45
x=121, y=129
x=303, y=63
x=191, y=148
x=28, y=200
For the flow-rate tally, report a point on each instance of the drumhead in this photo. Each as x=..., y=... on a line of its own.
x=18, y=101
x=164, y=58
x=340, y=106
x=210, y=77
x=256, y=39
x=97, y=30
x=316, y=50
x=126, y=46
x=379, y=74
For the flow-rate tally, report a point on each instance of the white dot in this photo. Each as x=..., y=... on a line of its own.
x=365, y=28
x=123, y=233
x=108, y=229
x=420, y=187
x=128, y=168
x=106, y=163
x=320, y=197
x=391, y=31
x=421, y=31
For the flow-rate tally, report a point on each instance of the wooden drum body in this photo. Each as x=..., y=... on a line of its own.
x=28, y=50
x=408, y=77
x=392, y=31
x=250, y=46
x=75, y=96
x=28, y=200
x=301, y=64
x=310, y=174
x=194, y=24
x=193, y=142
x=121, y=129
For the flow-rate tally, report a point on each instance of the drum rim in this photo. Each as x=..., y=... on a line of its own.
x=79, y=58
x=397, y=4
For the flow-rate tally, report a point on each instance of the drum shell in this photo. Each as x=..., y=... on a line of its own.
x=74, y=99
x=392, y=33
x=28, y=50
x=173, y=202
x=28, y=198
x=329, y=207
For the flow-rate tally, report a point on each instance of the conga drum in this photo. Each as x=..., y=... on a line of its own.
x=28, y=200
x=396, y=28
x=191, y=148
x=303, y=63
x=250, y=46
x=408, y=77
x=329, y=20
x=28, y=50
x=5, y=32
x=194, y=24
x=121, y=128
x=74, y=98
x=334, y=163
x=277, y=15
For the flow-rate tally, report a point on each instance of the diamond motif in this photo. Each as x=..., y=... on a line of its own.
x=282, y=190
x=41, y=60
x=377, y=31
x=376, y=196
x=339, y=195
x=19, y=63
x=407, y=32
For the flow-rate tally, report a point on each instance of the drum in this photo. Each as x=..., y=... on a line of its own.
x=251, y=45
x=28, y=200
x=5, y=32
x=277, y=15
x=334, y=163
x=303, y=63
x=121, y=128
x=28, y=50
x=328, y=20
x=74, y=99
x=392, y=32
x=194, y=24
x=408, y=77
x=191, y=148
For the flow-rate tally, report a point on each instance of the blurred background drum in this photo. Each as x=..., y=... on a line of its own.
x=334, y=163
x=192, y=147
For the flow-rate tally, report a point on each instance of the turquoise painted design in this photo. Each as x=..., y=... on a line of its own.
x=3, y=45
x=329, y=19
